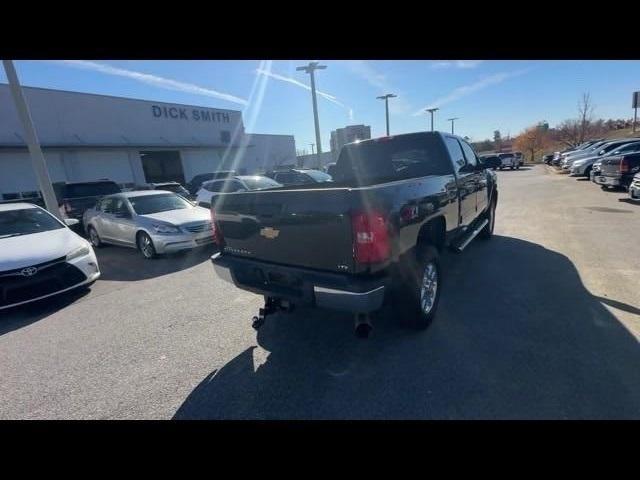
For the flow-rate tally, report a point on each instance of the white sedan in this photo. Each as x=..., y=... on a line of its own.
x=40, y=256
x=239, y=183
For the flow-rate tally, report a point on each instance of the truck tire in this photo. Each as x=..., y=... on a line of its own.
x=418, y=293
x=487, y=232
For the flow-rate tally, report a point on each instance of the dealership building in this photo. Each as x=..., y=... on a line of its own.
x=88, y=137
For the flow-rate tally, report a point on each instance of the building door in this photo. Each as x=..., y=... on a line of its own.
x=162, y=166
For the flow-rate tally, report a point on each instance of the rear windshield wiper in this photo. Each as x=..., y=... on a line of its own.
x=10, y=235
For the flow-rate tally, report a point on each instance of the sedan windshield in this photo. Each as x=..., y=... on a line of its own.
x=26, y=221
x=318, y=176
x=146, y=204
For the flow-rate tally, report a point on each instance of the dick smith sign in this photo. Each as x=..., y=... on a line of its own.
x=184, y=113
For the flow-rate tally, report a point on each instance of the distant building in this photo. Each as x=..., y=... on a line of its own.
x=90, y=137
x=348, y=134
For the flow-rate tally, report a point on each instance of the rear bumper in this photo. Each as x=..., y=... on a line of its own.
x=302, y=286
x=611, y=181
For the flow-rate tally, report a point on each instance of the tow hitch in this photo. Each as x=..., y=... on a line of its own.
x=271, y=306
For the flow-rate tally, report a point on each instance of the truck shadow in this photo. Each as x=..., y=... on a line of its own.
x=127, y=264
x=517, y=336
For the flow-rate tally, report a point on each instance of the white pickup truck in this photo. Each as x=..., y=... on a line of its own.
x=508, y=160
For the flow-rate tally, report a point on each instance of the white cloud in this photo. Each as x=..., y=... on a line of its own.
x=362, y=68
x=456, y=64
x=154, y=80
x=465, y=90
x=297, y=83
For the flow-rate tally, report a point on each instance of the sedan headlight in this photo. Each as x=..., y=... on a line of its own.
x=165, y=229
x=78, y=252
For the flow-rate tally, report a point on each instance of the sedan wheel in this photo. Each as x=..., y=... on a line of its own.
x=145, y=245
x=94, y=238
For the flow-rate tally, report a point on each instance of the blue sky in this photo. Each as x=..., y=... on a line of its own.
x=486, y=95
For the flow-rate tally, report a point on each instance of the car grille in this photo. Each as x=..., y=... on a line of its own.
x=198, y=227
x=50, y=277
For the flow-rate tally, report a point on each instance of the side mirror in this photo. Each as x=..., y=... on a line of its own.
x=71, y=222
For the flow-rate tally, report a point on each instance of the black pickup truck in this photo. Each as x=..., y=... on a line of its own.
x=75, y=198
x=374, y=233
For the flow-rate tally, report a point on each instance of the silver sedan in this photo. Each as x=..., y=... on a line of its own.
x=154, y=222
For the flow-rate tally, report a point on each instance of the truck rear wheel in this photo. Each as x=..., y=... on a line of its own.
x=419, y=293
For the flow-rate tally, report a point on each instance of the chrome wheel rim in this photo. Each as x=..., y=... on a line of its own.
x=145, y=246
x=429, y=287
x=93, y=236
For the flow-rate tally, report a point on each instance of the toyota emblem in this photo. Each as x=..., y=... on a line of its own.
x=29, y=271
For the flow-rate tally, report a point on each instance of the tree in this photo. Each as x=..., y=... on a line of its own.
x=585, y=114
x=497, y=140
x=532, y=140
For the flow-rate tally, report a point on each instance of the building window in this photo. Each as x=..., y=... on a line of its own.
x=225, y=136
x=33, y=194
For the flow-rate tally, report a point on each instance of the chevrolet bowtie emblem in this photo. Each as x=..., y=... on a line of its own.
x=269, y=232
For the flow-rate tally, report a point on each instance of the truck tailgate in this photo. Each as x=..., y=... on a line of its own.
x=307, y=228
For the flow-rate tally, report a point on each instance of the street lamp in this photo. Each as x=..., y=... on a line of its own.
x=431, y=110
x=386, y=106
x=452, y=120
x=310, y=69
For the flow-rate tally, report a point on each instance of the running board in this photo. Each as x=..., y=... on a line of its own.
x=467, y=241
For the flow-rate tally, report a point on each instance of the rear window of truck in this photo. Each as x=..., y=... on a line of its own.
x=389, y=159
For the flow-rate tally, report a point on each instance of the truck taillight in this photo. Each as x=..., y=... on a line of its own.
x=218, y=238
x=624, y=166
x=370, y=237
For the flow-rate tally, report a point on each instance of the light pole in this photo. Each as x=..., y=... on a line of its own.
x=37, y=157
x=386, y=106
x=310, y=69
x=452, y=120
x=431, y=110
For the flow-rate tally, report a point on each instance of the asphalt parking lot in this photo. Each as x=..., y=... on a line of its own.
x=543, y=321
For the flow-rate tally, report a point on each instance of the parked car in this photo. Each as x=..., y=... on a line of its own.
x=618, y=171
x=299, y=176
x=519, y=158
x=508, y=160
x=579, y=150
x=376, y=232
x=238, y=183
x=583, y=167
x=601, y=150
x=154, y=222
x=495, y=159
x=40, y=256
x=547, y=158
x=634, y=188
x=330, y=168
x=75, y=198
x=196, y=182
